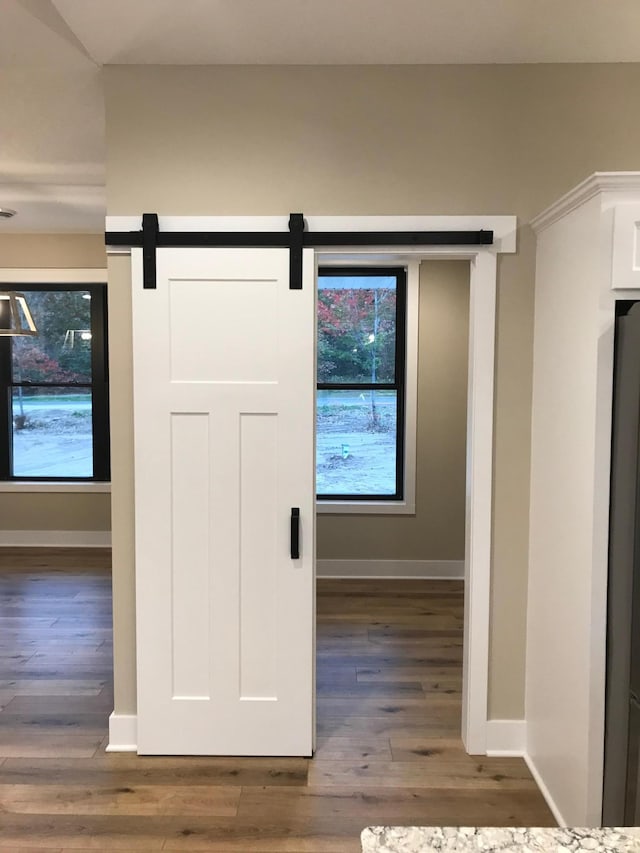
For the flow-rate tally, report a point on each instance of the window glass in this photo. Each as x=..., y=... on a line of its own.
x=52, y=434
x=61, y=352
x=356, y=329
x=53, y=388
x=356, y=442
x=360, y=376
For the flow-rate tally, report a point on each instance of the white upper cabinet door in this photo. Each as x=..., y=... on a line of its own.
x=224, y=408
x=625, y=274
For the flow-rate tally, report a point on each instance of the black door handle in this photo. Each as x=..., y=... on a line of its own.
x=295, y=533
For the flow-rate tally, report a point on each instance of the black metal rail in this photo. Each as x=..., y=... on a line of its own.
x=296, y=239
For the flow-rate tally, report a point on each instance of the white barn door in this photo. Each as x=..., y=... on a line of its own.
x=224, y=379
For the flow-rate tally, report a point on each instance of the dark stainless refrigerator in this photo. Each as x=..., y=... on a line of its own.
x=621, y=801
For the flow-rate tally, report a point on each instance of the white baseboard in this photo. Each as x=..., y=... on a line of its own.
x=506, y=737
x=433, y=569
x=544, y=790
x=123, y=733
x=55, y=538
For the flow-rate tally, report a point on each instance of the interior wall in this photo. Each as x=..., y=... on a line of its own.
x=436, y=531
x=386, y=140
x=565, y=635
x=26, y=511
x=52, y=251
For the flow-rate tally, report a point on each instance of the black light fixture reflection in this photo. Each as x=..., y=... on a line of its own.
x=15, y=316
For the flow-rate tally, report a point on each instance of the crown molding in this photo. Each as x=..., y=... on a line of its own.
x=599, y=182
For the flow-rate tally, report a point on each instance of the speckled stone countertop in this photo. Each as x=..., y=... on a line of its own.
x=468, y=839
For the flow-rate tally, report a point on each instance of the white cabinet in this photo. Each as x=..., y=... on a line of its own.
x=625, y=271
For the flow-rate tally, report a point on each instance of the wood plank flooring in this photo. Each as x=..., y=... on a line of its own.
x=389, y=680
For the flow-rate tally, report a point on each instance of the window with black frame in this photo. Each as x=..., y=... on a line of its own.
x=360, y=390
x=54, y=418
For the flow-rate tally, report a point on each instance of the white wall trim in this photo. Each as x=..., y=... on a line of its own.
x=58, y=487
x=123, y=733
x=55, y=538
x=482, y=328
x=597, y=183
x=411, y=386
x=367, y=507
x=478, y=530
x=506, y=737
x=544, y=790
x=53, y=276
x=396, y=569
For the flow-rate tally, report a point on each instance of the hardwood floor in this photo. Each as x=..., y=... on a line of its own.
x=389, y=676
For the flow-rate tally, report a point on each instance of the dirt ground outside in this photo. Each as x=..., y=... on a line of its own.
x=52, y=436
x=355, y=454
x=355, y=445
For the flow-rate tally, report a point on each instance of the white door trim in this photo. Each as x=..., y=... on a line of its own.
x=482, y=328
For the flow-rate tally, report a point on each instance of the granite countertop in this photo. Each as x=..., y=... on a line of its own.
x=468, y=839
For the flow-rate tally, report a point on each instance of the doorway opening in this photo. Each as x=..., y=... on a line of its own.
x=391, y=503
x=479, y=450
x=391, y=554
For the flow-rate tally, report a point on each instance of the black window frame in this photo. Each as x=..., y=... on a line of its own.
x=99, y=387
x=399, y=385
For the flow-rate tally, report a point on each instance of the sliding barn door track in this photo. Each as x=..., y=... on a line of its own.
x=295, y=239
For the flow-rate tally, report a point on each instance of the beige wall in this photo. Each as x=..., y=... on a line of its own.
x=436, y=531
x=387, y=140
x=30, y=511
x=55, y=511
x=54, y=251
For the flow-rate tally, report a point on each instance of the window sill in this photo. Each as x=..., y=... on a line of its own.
x=54, y=487
x=365, y=508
